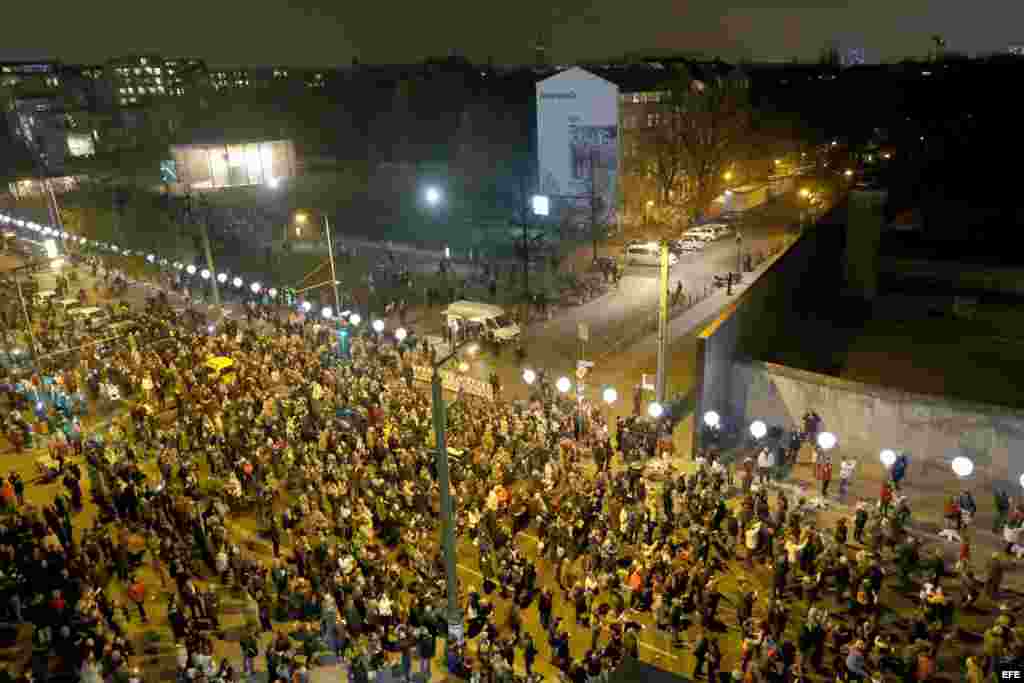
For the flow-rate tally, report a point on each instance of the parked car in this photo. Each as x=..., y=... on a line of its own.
x=687, y=246
x=647, y=254
x=701, y=233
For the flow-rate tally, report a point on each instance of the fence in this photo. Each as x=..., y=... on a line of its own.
x=454, y=381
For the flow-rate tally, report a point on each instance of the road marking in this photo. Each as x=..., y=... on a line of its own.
x=658, y=650
x=471, y=571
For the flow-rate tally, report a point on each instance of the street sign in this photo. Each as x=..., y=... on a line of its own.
x=583, y=332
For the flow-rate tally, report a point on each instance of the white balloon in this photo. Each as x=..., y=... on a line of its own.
x=962, y=466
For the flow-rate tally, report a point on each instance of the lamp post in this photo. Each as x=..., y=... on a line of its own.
x=440, y=414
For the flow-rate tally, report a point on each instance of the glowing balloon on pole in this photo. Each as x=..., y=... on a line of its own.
x=888, y=457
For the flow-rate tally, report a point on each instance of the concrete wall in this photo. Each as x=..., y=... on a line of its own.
x=867, y=418
x=757, y=321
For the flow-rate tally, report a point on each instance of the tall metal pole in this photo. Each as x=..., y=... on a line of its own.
x=455, y=629
x=334, y=275
x=28, y=320
x=209, y=262
x=659, y=386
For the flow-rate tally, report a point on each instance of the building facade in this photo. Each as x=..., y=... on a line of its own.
x=578, y=140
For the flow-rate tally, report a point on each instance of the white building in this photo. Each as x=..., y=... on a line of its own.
x=578, y=139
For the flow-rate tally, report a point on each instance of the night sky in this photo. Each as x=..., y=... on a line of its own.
x=329, y=32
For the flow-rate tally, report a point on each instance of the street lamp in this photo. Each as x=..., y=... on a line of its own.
x=255, y=287
x=1022, y=480
x=758, y=429
x=541, y=205
x=888, y=457
x=804, y=192
x=962, y=466
x=563, y=384
x=151, y=258
x=433, y=195
x=205, y=274
x=191, y=270
x=273, y=183
x=355, y=319
x=712, y=419
x=610, y=395
x=237, y=282
x=827, y=441
x=401, y=334
x=378, y=325
x=222, y=277
x=327, y=312
x=306, y=306
x=529, y=376
x=727, y=176
x=272, y=292
x=655, y=410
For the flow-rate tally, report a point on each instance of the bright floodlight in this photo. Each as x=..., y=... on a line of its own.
x=827, y=441
x=433, y=196
x=378, y=325
x=222, y=277
x=272, y=292
x=327, y=312
x=237, y=282
x=51, y=248
x=655, y=410
x=401, y=334
x=355, y=319
x=888, y=457
x=563, y=384
x=191, y=270
x=272, y=183
x=610, y=395
x=529, y=376
x=306, y=306
x=962, y=466
x=758, y=429
x=205, y=274
x=541, y=205
x=255, y=287
x=151, y=258
x=711, y=419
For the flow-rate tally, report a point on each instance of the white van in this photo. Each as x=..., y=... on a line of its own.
x=488, y=320
x=648, y=254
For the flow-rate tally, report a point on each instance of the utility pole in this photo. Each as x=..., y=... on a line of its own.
x=659, y=386
x=209, y=261
x=334, y=274
x=440, y=415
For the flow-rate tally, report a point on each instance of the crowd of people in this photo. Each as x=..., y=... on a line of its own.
x=304, y=484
